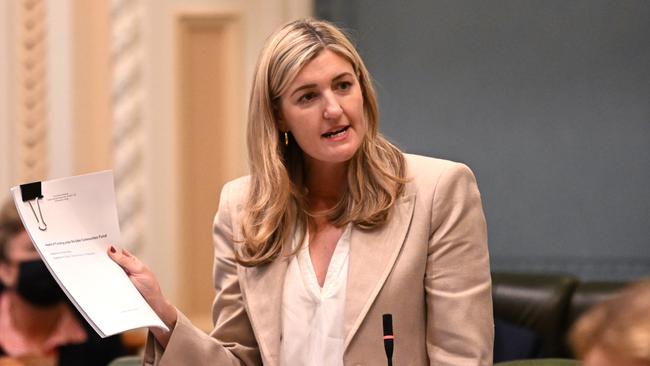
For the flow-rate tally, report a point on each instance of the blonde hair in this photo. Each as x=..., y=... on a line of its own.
x=620, y=324
x=277, y=198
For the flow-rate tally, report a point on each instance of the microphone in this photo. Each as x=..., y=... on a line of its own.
x=389, y=338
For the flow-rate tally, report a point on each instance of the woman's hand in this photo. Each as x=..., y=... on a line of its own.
x=145, y=281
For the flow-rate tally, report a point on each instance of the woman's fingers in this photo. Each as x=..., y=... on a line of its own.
x=126, y=260
x=145, y=282
x=143, y=279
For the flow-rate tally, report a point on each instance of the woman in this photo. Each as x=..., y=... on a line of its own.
x=334, y=228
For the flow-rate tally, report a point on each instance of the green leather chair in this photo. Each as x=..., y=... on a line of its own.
x=126, y=361
x=541, y=362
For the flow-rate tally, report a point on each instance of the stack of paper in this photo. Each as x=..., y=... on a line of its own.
x=81, y=219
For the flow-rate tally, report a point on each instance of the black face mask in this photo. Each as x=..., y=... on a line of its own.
x=36, y=284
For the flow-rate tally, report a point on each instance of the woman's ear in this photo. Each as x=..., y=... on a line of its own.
x=277, y=113
x=280, y=121
x=282, y=126
x=279, y=116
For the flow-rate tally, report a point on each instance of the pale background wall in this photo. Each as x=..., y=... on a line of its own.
x=79, y=121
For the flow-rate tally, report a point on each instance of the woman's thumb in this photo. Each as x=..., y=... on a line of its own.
x=123, y=258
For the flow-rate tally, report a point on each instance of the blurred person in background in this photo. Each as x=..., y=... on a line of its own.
x=38, y=326
x=616, y=331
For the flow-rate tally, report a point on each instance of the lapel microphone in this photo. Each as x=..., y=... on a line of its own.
x=389, y=338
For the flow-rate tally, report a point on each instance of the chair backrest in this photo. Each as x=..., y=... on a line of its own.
x=587, y=294
x=126, y=361
x=535, y=301
x=541, y=362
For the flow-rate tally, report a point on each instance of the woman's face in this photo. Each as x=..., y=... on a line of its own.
x=323, y=110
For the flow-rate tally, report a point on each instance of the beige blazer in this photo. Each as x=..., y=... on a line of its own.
x=428, y=267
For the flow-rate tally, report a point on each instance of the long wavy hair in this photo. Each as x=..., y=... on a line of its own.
x=277, y=198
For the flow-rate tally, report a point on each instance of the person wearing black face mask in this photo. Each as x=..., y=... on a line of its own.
x=38, y=326
x=36, y=285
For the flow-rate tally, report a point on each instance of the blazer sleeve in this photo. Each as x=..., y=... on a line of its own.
x=232, y=341
x=460, y=329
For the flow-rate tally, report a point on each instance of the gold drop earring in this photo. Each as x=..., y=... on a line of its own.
x=286, y=138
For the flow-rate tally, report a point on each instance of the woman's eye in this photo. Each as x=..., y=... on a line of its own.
x=344, y=85
x=305, y=98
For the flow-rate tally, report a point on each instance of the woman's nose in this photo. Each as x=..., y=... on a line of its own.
x=332, y=108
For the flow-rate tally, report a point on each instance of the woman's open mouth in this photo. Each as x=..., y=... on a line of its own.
x=329, y=135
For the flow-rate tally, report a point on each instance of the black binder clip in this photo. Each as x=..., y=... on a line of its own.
x=32, y=192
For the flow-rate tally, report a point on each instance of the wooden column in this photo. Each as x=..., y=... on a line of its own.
x=209, y=98
x=92, y=123
x=31, y=90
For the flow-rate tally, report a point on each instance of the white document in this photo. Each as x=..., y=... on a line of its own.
x=81, y=218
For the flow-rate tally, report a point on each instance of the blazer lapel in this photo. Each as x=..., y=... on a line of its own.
x=372, y=255
x=263, y=287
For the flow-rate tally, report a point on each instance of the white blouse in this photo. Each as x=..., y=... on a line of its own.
x=312, y=317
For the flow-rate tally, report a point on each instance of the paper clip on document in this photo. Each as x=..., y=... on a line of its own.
x=32, y=192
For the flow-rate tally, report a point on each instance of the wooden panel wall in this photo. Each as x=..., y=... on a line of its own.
x=210, y=87
x=92, y=134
